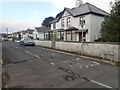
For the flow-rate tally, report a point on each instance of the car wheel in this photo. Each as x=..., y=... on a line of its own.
x=23, y=44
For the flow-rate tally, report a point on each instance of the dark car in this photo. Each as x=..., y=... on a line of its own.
x=27, y=42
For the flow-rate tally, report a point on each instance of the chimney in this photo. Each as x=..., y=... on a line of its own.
x=78, y=3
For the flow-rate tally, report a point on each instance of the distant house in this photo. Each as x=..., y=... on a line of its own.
x=15, y=34
x=29, y=33
x=40, y=32
x=84, y=20
x=23, y=34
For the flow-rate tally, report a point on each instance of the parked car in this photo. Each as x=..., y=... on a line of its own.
x=27, y=42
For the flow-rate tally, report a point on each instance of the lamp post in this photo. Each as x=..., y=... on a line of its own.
x=7, y=32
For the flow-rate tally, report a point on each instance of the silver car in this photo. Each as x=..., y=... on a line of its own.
x=27, y=42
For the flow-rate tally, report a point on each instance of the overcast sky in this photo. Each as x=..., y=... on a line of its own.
x=20, y=14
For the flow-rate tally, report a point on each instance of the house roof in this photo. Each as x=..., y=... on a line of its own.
x=24, y=32
x=58, y=16
x=42, y=29
x=30, y=31
x=83, y=9
x=87, y=8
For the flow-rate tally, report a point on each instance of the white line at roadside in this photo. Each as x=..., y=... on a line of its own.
x=28, y=52
x=18, y=48
x=32, y=54
x=36, y=56
x=101, y=84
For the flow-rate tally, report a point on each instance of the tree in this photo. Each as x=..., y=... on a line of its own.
x=47, y=21
x=110, y=31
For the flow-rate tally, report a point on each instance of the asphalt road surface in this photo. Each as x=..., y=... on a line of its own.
x=36, y=67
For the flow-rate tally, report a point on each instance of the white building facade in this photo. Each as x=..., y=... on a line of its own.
x=70, y=22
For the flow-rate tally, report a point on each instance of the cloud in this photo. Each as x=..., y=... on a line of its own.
x=15, y=25
x=58, y=5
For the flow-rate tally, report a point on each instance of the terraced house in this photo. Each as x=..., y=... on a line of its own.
x=83, y=22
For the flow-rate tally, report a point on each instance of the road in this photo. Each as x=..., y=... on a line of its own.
x=36, y=67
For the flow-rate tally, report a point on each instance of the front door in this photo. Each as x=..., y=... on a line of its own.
x=80, y=37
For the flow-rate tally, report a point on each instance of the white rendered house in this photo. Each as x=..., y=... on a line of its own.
x=69, y=22
x=39, y=32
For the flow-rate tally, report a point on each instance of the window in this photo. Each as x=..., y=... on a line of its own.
x=54, y=25
x=82, y=21
x=62, y=23
x=68, y=22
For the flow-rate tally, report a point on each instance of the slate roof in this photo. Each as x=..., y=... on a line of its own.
x=30, y=31
x=58, y=16
x=83, y=9
x=42, y=29
x=24, y=32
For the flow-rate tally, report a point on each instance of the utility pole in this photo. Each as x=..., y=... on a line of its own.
x=7, y=32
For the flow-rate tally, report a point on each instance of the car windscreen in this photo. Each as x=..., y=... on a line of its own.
x=28, y=40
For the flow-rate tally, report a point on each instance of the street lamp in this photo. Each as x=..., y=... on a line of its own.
x=7, y=30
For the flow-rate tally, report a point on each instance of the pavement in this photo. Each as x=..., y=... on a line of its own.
x=36, y=67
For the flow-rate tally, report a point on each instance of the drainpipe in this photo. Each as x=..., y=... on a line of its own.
x=82, y=23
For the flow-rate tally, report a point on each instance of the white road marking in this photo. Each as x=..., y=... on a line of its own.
x=28, y=53
x=36, y=56
x=64, y=62
x=96, y=62
x=32, y=54
x=18, y=48
x=92, y=65
x=80, y=67
x=53, y=64
x=53, y=54
x=87, y=66
x=17, y=41
x=101, y=84
x=27, y=47
x=77, y=59
x=71, y=66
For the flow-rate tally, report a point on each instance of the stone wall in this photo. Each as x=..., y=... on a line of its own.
x=104, y=51
x=43, y=43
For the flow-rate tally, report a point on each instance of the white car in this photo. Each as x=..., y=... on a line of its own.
x=27, y=42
